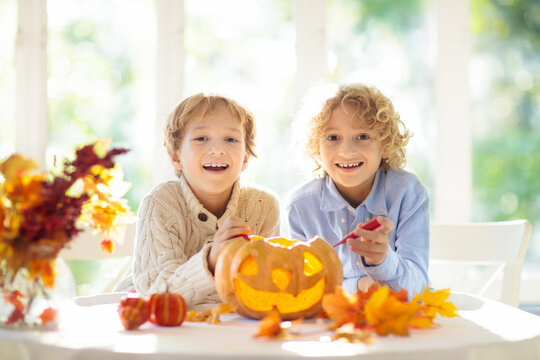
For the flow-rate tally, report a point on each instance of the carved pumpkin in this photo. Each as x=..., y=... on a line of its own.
x=289, y=275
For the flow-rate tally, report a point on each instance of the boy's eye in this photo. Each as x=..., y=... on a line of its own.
x=332, y=138
x=363, y=137
x=201, y=138
x=230, y=139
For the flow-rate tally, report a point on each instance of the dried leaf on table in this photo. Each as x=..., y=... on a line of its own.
x=349, y=333
x=344, y=308
x=389, y=314
x=435, y=303
x=197, y=316
x=221, y=309
x=210, y=316
x=270, y=325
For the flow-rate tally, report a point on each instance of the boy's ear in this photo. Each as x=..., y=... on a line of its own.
x=245, y=163
x=175, y=161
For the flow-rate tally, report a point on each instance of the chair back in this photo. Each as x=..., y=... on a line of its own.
x=86, y=246
x=482, y=258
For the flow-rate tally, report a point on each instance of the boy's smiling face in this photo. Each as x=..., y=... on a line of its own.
x=350, y=155
x=212, y=155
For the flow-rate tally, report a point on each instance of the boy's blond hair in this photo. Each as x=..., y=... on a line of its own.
x=375, y=112
x=199, y=106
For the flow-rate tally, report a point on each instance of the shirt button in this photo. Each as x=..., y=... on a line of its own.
x=202, y=217
x=342, y=220
x=359, y=263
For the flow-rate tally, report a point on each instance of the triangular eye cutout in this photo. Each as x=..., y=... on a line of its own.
x=312, y=265
x=249, y=266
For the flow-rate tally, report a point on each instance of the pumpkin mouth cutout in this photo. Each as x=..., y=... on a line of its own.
x=284, y=301
x=262, y=300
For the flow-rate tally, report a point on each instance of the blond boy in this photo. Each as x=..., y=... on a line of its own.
x=184, y=224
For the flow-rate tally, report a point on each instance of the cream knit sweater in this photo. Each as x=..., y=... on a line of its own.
x=175, y=232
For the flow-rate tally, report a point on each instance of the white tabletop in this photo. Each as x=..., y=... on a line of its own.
x=90, y=329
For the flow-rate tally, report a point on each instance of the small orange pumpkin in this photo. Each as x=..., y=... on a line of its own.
x=289, y=275
x=133, y=311
x=167, y=309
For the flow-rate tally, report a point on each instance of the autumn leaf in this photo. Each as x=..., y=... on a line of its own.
x=343, y=307
x=209, y=316
x=13, y=299
x=435, y=303
x=14, y=167
x=197, y=316
x=351, y=334
x=15, y=316
x=221, y=309
x=48, y=315
x=270, y=325
x=43, y=268
x=388, y=314
x=107, y=246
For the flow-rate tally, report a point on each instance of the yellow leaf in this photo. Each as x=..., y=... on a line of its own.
x=435, y=303
x=389, y=314
x=219, y=310
x=101, y=147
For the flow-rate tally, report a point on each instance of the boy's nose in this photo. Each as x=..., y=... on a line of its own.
x=347, y=147
x=216, y=148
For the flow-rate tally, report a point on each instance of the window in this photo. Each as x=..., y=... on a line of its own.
x=505, y=89
x=389, y=46
x=8, y=27
x=102, y=83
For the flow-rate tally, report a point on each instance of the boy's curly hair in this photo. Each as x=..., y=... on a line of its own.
x=375, y=112
x=198, y=106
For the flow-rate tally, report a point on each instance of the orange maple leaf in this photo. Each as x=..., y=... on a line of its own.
x=48, y=315
x=270, y=325
x=107, y=246
x=43, y=268
x=388, y=314
x=435, y=303
x=13, y=299
x=344, y=308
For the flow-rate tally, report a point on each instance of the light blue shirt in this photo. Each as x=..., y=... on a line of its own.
x=317, y=208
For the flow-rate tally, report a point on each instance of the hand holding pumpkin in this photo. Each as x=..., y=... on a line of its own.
x=372, y=245
x=233, y=227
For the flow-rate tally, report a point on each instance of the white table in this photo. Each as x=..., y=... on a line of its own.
x=91, y=330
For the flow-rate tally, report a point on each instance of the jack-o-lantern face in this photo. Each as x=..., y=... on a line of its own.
x=289, y=275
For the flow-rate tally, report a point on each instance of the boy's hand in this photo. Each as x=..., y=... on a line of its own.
x=231, y=228
x=372, y=245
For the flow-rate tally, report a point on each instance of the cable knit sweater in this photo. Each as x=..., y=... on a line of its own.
x=175, y=232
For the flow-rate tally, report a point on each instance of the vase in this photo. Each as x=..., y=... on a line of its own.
x=29, y=304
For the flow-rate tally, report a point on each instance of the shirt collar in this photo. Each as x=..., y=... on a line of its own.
x=375, y=203
x=196, y=207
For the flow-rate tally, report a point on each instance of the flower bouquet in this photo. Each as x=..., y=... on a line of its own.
x=40, y=213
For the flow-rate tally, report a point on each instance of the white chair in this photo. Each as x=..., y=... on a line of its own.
x=86, y=246
x=483, y=258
